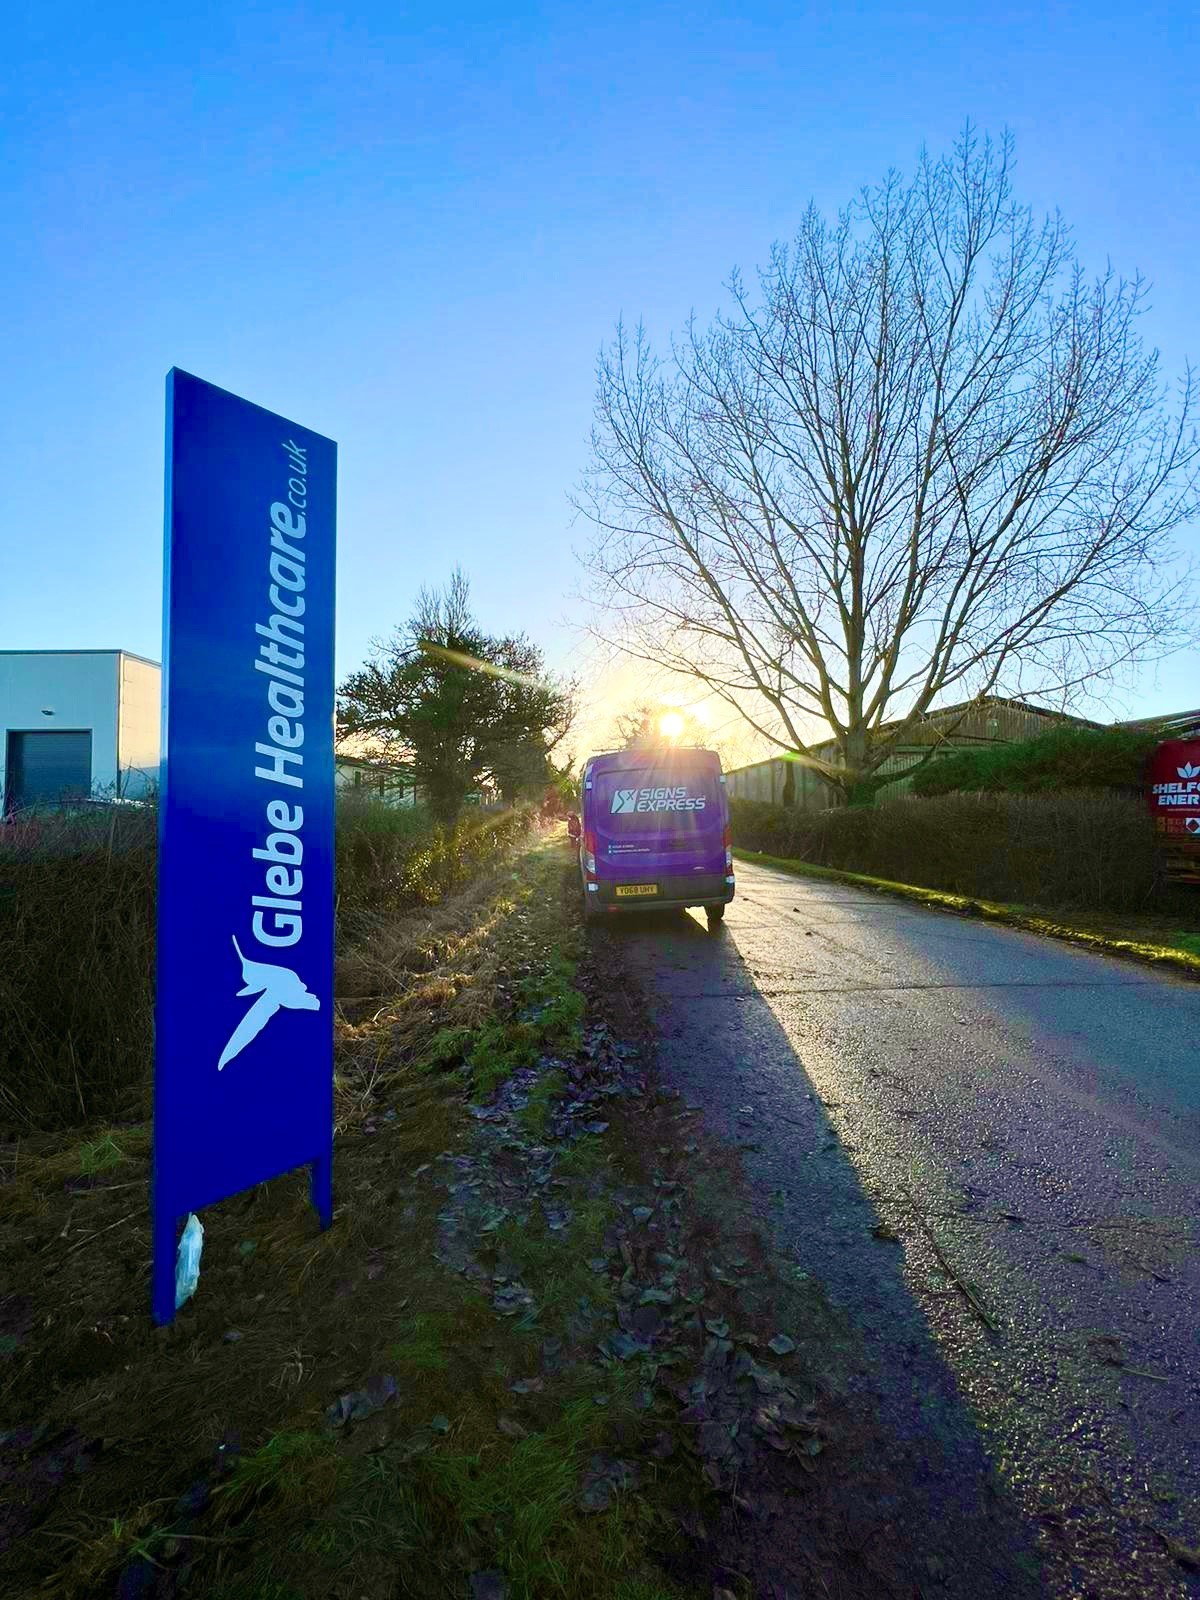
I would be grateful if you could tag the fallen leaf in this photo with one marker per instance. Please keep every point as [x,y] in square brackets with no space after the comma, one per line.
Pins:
[360,1403]
[440,1424]
[596,1495]
[781,1345]
[488,1586]
[882,1231]
[528,1386]
[1186,1555]
[622,1346]
[511,1428]
[718,1327]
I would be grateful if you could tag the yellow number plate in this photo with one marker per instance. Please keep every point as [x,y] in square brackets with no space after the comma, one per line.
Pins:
[630,889]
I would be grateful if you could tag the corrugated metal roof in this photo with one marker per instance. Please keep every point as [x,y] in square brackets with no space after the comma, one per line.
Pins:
[1174,721]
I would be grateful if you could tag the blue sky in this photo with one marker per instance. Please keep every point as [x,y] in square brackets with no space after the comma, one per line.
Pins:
[411,229]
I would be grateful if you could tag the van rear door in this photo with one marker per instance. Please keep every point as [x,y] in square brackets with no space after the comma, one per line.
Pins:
[658,820]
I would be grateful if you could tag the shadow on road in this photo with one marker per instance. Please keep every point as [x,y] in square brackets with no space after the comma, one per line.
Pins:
[911,1482]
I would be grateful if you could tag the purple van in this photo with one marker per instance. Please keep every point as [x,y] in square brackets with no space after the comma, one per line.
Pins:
[655,832]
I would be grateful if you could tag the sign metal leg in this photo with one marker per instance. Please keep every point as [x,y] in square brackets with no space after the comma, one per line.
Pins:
[163,1294]
[321,1189]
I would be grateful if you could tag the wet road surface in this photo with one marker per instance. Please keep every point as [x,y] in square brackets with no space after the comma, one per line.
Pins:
[984,1145]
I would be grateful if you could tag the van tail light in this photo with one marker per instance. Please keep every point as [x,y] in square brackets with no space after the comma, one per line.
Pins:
[589,852]
[727,841]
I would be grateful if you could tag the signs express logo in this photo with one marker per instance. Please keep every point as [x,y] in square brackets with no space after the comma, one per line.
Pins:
[655,800]
[276,988]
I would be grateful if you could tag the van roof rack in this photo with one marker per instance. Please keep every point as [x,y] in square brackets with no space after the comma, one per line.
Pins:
[630,749]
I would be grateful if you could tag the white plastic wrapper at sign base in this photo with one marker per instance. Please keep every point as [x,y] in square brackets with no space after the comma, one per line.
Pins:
[187,1262]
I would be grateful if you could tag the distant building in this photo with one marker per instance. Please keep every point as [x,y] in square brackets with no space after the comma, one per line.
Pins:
[1173,724]
[85,725]
[967,725]
[77,725]
[380,780]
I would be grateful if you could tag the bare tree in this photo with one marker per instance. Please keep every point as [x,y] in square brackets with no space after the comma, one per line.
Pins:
[930,460]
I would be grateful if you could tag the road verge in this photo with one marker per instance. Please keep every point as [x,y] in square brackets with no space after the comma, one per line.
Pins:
[1119,939]
[541,1351]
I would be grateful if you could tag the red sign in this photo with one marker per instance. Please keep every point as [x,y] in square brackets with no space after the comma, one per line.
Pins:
[1173,792]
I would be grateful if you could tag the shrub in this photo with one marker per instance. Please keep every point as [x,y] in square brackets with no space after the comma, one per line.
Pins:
[1082,850]
[77,940]
[1062,759]
[388,864]
[76,967]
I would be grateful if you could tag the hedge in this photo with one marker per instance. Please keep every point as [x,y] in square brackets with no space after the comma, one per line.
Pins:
[1082,850]
[1062,759]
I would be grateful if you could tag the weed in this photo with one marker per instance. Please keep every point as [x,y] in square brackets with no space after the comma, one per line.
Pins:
[500,1049]
[99,1155]
[523,1493]
[421,1348]
[448,1048]
[300,1469]
[536,1111]
[585,1159]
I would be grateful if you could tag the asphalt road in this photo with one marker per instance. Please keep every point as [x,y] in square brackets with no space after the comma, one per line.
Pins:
[1023,1118]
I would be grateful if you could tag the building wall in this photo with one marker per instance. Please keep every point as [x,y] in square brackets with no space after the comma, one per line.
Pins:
[380,785]
[767,781]
[80,688]
[996,722]
[140,729]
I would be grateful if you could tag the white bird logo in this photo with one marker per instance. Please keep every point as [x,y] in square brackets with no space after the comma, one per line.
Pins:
[276,988]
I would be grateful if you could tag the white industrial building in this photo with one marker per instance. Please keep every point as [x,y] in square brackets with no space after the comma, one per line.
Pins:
[76,725]
[80,725]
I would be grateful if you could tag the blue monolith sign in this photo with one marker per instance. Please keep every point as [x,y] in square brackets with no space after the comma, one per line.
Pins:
[243,1076]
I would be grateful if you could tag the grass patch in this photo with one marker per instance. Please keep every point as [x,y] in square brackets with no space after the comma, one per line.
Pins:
[300,1468]
[547,1013]
[499,1050]
[422,1348]
[1145,939]
[535,1115]
[586,1158]
[99,1155]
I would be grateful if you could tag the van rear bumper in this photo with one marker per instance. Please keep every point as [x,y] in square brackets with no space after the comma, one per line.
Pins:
[697,889]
